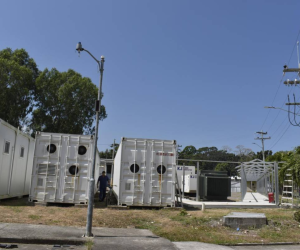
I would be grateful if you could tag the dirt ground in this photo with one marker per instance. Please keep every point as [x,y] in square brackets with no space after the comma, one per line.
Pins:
[173,224]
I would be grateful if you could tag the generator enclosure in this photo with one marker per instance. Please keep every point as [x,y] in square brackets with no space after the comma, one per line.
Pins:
[15,161]
[188,170]
[214,185]
[62,168]
[190,183]
[144,172]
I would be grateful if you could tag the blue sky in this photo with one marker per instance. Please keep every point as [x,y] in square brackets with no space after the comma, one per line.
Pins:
[199,72]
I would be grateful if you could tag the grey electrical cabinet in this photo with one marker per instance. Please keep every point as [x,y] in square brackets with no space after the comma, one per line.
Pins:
[214,185]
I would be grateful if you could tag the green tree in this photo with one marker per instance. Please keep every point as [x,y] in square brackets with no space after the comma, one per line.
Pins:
[259,155]
[18,73]
[229,168]
[293,163]
[108,153]
[65,103]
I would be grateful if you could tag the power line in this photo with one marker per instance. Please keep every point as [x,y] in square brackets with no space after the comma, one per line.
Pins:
[280,81]
[281,136]
[281,108]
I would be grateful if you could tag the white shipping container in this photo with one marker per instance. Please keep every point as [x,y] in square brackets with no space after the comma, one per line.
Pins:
[187,171]
[144,172]
[15,161]
[190,185]
[62,168]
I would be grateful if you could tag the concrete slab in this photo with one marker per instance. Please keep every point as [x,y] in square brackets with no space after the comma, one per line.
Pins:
[210,204]
[264,247]
[46,247]
[192,245]
[104,238]
[244,220]
[256,197]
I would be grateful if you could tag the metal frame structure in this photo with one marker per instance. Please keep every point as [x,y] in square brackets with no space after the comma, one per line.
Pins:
[265,174]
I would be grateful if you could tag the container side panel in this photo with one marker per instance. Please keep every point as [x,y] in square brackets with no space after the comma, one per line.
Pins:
[19,171]
[7,140]
[117,171]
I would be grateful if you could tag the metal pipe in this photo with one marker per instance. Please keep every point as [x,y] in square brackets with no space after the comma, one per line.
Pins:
[92,177]
[183,179]
[198,181]
[209,161]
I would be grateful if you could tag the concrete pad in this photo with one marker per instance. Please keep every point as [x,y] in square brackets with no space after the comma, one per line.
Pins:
[245,220]
[192,245]
[212,204]
[104,238]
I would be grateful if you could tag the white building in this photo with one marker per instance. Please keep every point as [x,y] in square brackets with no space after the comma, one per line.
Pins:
[15,161]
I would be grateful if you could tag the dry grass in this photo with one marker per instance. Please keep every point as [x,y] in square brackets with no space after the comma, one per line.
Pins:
[171,224]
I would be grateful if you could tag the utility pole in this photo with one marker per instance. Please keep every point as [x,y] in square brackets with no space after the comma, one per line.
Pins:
[79,48]
[262,138]
[295,82]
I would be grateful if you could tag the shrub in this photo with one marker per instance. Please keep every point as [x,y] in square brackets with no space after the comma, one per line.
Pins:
[297,216]
[183,212]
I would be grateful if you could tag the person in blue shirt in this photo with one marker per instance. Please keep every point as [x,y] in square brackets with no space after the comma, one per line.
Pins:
[103,180]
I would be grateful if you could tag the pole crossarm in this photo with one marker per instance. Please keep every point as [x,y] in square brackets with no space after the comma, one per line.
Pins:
[291,70]
[291,82]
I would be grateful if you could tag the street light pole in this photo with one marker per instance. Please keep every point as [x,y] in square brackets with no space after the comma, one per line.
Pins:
[92,176]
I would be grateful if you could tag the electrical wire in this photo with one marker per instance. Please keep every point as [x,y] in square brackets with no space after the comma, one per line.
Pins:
[280,82]
[289,125]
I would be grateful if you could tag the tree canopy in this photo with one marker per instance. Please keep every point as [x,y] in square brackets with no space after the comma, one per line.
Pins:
[65,103]
[49,101]
[18,73]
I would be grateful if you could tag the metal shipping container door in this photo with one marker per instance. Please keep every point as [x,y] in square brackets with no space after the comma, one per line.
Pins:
[7,142]
[20,166]
[147,172]
[61,168]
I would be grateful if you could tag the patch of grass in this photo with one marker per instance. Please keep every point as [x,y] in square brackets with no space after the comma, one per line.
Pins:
[34,217]
[89,244]
[16,209]
[173,224]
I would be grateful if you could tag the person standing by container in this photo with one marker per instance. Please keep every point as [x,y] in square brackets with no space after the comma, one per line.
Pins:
[103,180]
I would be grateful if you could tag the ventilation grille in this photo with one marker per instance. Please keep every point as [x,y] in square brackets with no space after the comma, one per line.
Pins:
[40,182]
[43,169]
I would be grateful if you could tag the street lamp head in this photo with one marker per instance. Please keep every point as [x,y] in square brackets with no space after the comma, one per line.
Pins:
[267,107]
[79,47]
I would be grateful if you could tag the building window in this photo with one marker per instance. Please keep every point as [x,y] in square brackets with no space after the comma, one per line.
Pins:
[6,147]
[22,152]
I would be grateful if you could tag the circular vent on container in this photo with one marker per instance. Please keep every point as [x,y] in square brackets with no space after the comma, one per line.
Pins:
[82,150]
[134,168]
[73,169]
[51,148]
[161,169]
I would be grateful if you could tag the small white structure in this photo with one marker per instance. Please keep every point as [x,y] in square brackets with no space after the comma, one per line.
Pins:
[15,161]
[190,183]
[62,168]
[144,172]
[107,166]
[235,184]
[188,170]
